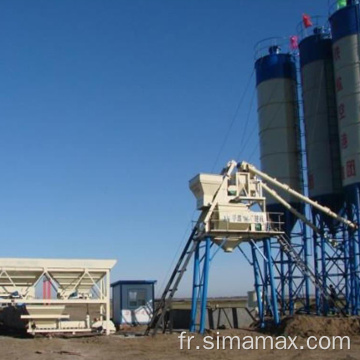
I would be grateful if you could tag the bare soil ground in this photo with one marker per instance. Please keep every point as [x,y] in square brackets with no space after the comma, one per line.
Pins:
[168,346]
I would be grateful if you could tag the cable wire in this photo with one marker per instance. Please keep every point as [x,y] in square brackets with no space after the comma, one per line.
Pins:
[233,120]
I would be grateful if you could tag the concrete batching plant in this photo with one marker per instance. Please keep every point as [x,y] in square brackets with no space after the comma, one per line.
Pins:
[303,236]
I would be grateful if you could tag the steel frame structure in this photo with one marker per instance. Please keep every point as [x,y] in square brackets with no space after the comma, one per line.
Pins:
[264,281]
[280,284]
[281,262]
[331,263]
[352,209]
[278,288]
[265,285]
[292,287]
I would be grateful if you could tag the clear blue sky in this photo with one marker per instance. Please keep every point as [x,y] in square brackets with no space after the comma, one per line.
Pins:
[109,107]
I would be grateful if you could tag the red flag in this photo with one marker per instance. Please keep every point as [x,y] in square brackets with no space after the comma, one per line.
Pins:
[294,44]
[306,20]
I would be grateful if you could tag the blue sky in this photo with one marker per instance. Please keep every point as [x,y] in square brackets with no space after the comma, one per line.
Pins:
[109,107]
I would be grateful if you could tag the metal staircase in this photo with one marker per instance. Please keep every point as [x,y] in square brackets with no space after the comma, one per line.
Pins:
[158,318]
[305,269]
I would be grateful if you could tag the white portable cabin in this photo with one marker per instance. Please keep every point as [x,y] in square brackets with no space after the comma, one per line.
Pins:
[133,301]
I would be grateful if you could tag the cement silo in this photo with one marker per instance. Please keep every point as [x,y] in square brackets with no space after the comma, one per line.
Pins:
[278,118]
[320,118]
[323,156]
[345,24]
[345,31]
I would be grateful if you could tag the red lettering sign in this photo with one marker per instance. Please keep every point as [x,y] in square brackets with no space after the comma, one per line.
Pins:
[341,112]
[338,84]
[344,141]
[350,168]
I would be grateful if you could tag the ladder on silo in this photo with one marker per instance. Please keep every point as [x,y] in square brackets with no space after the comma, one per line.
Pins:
[305,269]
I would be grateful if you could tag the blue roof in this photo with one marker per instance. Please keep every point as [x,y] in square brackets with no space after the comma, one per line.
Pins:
[133,282]
[344,22]
[275,66]
[315,47]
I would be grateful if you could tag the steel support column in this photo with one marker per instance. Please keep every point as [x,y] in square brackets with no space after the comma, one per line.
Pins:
[205,285]
[258,284]
[195,288]
[200,285]
[272,284]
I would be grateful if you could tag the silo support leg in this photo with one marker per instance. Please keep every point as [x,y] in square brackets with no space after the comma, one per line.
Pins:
[274,303]
[306,262]
[195,288]
[200,285]
[257,284]
[205,285]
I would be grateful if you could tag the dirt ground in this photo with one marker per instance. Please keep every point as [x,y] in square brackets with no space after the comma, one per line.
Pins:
[168,346]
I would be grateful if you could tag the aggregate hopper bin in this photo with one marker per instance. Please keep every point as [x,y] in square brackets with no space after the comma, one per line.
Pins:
[204,187]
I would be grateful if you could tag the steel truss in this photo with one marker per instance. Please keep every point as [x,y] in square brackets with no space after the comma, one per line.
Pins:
[293,287]
[352,209]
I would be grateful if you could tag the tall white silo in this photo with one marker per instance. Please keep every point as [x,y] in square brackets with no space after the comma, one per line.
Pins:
[278,118]
[320,117]
[346,40]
